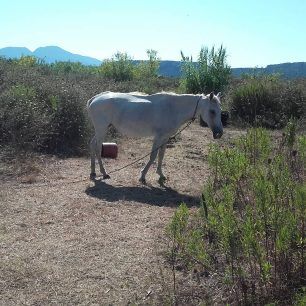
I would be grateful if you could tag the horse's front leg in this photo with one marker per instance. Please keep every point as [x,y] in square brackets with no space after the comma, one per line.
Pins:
[156,146]
[161,154]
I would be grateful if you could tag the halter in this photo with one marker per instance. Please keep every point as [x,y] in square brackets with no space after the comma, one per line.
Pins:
[196,108]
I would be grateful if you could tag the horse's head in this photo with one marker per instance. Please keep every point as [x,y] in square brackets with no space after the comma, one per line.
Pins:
[211,113]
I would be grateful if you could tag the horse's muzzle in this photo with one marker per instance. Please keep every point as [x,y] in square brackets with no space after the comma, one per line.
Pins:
[217,134]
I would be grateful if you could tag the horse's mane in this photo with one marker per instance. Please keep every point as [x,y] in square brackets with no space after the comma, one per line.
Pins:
[171,93]
[137,93]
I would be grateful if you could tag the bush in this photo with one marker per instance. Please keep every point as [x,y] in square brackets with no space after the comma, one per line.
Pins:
[70,67]
[267,101]
[23,120]
[119,68]
[251,224]
[210,73]
[148,69]
[41,111]
[42,107]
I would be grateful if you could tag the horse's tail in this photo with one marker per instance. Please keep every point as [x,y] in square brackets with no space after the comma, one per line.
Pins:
[91,99]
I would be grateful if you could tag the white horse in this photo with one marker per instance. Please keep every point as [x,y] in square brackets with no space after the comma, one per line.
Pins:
[139,115]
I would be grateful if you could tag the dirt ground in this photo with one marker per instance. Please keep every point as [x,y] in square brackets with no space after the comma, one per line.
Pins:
[67,240]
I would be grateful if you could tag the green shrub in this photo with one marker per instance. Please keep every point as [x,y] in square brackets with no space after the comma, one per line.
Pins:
[42,107]
[252,219]
[210,73]
[119,68]
[23,120]
[70,67]
[148,69]
[267,101]
[28,61]
[68,124]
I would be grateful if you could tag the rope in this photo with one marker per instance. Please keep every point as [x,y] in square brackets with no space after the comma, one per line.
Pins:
[143,157]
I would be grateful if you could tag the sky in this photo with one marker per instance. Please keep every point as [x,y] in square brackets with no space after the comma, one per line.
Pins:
[255,33]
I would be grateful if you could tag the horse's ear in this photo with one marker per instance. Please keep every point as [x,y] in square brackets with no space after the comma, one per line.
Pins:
[211,96]
[219,95]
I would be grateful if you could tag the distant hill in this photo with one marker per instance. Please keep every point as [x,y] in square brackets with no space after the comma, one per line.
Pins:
[49,54]
[286,70]
[15,52]
[52,54]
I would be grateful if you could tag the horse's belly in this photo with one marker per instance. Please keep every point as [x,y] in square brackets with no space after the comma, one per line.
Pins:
[134,129]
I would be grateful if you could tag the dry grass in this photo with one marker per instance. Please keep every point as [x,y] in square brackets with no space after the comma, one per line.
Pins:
[66,240]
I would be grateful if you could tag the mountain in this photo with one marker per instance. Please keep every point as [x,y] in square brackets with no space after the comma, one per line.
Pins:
[49,54]
[52,54]
[286,70]
[170,68]
[14,52]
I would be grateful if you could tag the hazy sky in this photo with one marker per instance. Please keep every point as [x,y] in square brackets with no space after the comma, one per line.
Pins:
[255,33]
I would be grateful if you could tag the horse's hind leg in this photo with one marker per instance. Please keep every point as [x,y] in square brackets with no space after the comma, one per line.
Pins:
[93,158]
[98,154]
[161,154]
[96,146]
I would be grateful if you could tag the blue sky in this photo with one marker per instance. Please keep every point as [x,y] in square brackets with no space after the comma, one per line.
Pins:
[255,33]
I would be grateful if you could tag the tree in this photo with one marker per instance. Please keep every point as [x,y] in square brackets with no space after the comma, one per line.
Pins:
[120,67]
[210,73]
[149,68]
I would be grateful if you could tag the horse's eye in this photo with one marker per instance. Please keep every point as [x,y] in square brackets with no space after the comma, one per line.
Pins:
[212,112]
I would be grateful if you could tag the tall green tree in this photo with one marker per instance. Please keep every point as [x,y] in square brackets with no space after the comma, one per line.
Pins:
[150,67]
[211,72]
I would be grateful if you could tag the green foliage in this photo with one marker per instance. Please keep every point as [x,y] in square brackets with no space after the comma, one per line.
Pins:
[178,224]
[267,101]
[71,67]
[31,119]
[256,146]
[148,69]
[300,297]
[42,107]
[252,217]
[119,68]
[28,61]
[210,73]
[301,149]
[186,243]
[22,119]
[290,133]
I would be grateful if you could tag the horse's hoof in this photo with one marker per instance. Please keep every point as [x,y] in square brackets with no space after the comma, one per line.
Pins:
[92,176]
[106,177]
[143,181]
[162,180]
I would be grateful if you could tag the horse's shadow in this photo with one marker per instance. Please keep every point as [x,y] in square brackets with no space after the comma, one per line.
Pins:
[144,194]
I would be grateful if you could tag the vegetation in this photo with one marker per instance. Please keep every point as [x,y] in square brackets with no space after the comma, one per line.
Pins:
[210,73]
[267,101]
[251,224]
[42,107]
[121,67]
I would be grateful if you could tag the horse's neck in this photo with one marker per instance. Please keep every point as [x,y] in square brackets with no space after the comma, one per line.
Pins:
[189,107]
